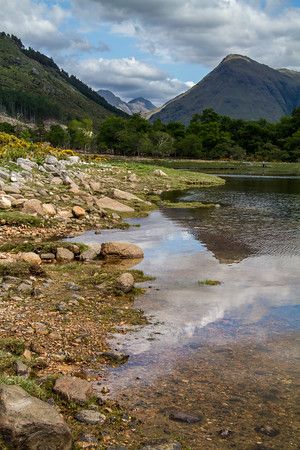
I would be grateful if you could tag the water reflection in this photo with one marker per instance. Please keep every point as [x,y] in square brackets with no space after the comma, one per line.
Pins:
[250,244]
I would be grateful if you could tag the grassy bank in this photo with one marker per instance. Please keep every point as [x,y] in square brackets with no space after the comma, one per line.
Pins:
[230,167]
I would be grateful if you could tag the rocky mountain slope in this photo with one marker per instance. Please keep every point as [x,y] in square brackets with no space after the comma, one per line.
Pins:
[33,87]
[135,106]
[238,87]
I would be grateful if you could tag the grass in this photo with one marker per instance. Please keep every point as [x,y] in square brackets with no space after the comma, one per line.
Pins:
[181,205]
[41,247]
[14,218]
[230,167]
[20,269]
[12,345]
[29,385]
[209,282]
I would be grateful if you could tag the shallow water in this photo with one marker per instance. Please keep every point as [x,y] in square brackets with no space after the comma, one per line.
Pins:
[251,245]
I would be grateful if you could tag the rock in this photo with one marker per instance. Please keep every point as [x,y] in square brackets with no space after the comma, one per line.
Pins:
[180,416]
[115,356]
[47,257]
[133,178]
[64,214]
[90,254]
[5,203]
[11,189]
[113,205]
[29,423]
[40,328]
[27,164]
[72,286]
[267,430]
[21,369]
[56,181]
[63,254]
[125,282]
[62,307]
[74,159]
[121,250]
[49,209]
[95,186]
[50,159]
[73,389]
[171,446]
[90,417]
[78,212]
[86,440]
[159,173]
[25,288]
[4,175]
[122,195]
[33,206]
[30,257]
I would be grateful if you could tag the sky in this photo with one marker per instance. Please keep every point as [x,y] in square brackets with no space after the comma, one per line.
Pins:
[154,48]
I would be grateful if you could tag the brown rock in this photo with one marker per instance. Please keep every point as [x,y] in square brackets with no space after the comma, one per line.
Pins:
[78,212]
[113,205]
[49,209]
[33,206]
[63,254]
[73,389]
[121,250]
[125,282]
[29,423]
[30,257]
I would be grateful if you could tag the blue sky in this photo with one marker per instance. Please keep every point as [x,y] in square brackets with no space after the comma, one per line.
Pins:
[154,48]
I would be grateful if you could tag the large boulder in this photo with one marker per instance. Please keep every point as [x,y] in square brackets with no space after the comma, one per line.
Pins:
[121,250]
[5,202]
[64,255]
[78,212]
[125,282]
[123,195]
[113,205]
[73,389]
[33,206]
[29,423]
[49,209]
[30,257]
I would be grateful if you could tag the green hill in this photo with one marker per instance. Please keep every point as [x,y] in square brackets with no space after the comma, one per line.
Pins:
[34,88]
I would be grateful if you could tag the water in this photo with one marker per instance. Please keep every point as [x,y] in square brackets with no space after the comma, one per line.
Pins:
[251,245]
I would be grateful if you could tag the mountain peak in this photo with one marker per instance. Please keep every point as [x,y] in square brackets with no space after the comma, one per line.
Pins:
[234,57]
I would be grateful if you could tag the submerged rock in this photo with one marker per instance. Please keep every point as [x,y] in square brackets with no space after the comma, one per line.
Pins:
[29,423]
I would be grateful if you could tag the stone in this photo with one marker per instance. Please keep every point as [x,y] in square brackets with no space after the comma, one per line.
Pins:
[125,282]
[267,430]
[90,417]
[159,173]
[29,423]
[5,203]
[166,446]
[73,389]
[50,159]
[90,254]
[47,257]
[27,164]
[78,212]
[95,186]
[122,250]
[122,195]
[181,416]
[64,214]
[62,307]
[49,209]
[21,369]
[113,205]
[11,189]
[115,356]
[33,206]
[63,254]
[86,440]
[30,257]
[132,178]
[56,181]
[25,288]
[74,159]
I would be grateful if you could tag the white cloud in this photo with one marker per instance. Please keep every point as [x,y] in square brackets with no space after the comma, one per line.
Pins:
[204,31]
[128,77]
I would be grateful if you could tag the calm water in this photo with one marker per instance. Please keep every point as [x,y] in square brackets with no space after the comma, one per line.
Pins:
[251,245]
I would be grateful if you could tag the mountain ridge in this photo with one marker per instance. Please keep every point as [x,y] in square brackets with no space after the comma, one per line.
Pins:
[139,105]
[238,87]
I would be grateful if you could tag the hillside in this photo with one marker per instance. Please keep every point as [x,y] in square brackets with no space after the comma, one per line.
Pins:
[34,88]
[239,88]
[141,105]
[114,100]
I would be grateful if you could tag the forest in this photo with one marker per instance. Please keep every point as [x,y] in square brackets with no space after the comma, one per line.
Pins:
[208,136]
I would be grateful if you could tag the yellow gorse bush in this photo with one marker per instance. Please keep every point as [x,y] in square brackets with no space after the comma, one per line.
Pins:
[13,148]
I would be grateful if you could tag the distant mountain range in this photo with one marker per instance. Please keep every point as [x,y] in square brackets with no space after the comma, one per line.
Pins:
[137,105]
[34,88]
[238,87]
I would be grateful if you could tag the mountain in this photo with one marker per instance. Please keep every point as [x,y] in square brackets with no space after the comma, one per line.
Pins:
[115,101]
[141,105]
[138,105]
[238,87]
[33,87]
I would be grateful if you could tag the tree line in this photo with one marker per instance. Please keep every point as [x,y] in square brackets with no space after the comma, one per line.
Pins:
[208,136]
